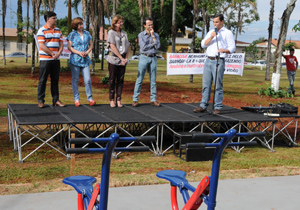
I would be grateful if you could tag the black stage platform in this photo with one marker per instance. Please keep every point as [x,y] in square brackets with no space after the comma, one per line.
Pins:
[51,124]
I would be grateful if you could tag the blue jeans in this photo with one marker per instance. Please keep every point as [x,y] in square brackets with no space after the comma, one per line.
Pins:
[291,76]
[209,75]
[144,64]
[85,71]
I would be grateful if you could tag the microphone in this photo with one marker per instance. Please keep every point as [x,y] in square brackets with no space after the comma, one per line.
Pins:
[216,30]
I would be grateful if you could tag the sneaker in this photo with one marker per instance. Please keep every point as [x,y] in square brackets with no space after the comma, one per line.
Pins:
[155,103]
[217,111]
[135,103]
[199,109]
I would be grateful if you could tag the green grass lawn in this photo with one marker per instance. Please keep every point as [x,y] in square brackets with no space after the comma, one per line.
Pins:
[44,170]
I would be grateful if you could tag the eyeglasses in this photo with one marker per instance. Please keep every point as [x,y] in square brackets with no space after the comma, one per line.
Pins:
[120,22]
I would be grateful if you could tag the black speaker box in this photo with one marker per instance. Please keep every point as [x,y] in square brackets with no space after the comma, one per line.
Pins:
[204,154]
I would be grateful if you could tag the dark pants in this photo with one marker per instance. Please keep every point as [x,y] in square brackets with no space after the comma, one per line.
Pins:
[51,67]
[116,73]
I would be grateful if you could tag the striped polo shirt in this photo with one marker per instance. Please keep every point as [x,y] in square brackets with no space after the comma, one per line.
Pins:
[51,38]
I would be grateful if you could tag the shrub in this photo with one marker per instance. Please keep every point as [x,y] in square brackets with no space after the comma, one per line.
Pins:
[269,91]
[105,79]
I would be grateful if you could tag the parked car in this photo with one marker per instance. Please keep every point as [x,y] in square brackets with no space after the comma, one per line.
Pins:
[259,63]
[105,54]
[137,57]
[283,65]
[160,57]
[18,54]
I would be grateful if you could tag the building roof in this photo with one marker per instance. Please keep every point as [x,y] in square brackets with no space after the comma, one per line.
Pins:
[183,41]
[275,42]
[12,32]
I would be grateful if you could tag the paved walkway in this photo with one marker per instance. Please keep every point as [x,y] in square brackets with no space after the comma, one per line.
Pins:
[272,193]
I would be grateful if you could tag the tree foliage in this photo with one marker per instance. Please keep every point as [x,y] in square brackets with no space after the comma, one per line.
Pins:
[252,50]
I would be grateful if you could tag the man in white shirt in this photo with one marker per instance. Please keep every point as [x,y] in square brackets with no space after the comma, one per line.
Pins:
[218,42]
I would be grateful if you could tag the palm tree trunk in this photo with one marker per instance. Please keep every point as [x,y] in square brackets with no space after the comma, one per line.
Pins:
[87,15]
[33,43]
[141,8]
[114,8]
[149,6]
[174,26]
[19,22]
[69,16]
[270,29]
[3,28]
[27,30]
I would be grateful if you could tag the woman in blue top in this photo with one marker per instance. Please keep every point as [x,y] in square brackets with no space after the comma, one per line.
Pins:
[80,44]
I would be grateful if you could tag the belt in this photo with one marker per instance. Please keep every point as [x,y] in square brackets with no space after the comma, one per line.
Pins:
[149,55]
[214,58]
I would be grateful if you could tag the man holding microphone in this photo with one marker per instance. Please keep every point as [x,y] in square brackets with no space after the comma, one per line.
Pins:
[218,42]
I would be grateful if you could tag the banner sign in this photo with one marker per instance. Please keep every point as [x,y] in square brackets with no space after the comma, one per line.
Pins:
[65,54]
[193,63]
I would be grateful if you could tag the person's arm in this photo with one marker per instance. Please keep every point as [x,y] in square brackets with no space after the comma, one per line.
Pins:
[60,49]
[230,43]
[91,46]
[296,66]
[142,42]
[207,39]
[72,49]
[117,53]
[156,41]
[43,47]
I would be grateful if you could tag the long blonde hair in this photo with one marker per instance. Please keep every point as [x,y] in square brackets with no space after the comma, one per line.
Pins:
[115,19]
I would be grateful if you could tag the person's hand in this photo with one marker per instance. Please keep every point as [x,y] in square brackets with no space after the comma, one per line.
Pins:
[213,34]
[221,50]
[82,54]
[124,61]
[152,32]
[55,56]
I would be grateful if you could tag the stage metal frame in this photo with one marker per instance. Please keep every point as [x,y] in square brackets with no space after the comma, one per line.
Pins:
[56,135]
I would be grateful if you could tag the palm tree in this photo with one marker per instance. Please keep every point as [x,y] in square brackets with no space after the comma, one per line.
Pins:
[238,5]
[270,29]
[3,28]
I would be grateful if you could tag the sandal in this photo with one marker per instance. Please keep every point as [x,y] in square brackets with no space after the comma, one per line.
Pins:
[77,103]
[112,104]
[119,104]
[92,102]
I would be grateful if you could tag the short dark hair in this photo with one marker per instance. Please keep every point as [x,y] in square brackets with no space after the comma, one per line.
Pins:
[147,18]
[292,50]
[220,16]
[49,14]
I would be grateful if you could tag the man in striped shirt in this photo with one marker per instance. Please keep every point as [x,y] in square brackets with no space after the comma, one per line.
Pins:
[50,47]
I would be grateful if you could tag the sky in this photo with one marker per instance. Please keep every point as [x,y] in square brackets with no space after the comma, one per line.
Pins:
[252,32]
